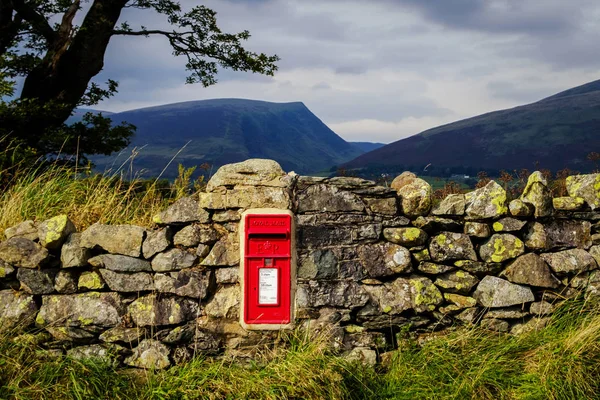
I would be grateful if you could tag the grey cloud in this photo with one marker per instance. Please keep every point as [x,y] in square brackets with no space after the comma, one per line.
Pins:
[521,92]
[355,69]
[388,106]
[321,86]
[472,41]
[525,16]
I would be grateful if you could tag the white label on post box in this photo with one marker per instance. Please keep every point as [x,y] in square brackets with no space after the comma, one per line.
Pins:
[267,286]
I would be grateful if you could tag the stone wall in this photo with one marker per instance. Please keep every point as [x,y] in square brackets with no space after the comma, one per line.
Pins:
[373,262]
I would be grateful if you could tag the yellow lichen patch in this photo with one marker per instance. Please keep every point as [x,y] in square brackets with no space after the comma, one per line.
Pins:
[39,320]
[568,203]
[142,306]
[498,198]
[54,228]
[460,274]
[353,329]
[498,226]
[441,239]
[499,250]
[90,280]
[411,234]
[502,253]
[386,309]
[427,295]
[85,321]
[422,255]
[23,305]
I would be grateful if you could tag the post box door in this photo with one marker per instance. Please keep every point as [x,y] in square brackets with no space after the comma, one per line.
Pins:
[267,291]
[267,269]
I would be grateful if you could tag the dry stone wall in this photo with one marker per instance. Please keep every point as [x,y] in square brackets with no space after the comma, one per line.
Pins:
[373,262]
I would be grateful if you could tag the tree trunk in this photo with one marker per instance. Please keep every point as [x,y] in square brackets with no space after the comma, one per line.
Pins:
[9,27]
[62,78]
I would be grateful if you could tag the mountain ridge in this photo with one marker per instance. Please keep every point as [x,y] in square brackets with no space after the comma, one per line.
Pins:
[555,132]
[221,131]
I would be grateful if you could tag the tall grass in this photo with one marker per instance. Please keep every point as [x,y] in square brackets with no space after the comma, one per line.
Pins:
[299,368]
[560,361]
[87,198]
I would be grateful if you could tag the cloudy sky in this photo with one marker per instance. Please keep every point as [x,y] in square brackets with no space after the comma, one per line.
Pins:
[379,70]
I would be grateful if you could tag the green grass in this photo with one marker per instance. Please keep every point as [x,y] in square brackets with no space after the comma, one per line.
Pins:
[560,361]
[87,198]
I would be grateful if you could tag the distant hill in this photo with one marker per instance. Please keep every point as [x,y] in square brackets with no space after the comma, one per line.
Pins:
[367,146]
[230,130]
[80,112]
[554,133]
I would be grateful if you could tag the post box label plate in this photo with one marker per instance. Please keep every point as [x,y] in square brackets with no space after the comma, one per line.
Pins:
[268,286]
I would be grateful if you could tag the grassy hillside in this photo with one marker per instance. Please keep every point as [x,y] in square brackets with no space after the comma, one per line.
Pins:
[554,133]
[223,131]
[367,146]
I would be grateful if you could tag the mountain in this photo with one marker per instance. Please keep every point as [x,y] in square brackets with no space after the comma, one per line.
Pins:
[367,146]
[222,131]
[554,133]
[78,114]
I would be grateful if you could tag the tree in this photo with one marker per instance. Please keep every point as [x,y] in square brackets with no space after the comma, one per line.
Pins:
[58,61]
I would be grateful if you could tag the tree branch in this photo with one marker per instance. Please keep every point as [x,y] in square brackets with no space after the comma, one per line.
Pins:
[65,32]
[149,32]
[37,20]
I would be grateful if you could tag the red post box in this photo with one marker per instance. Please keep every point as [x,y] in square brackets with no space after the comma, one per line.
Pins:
[267,269]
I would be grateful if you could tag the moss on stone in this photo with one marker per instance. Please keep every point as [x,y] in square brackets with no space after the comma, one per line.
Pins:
[499,249]
[354,329]
[422,255]
[427,295]
[90,280]
[39,320]
[502,253]
[498,198]
[441,239]
[85,321]
[411,234]
[54,228]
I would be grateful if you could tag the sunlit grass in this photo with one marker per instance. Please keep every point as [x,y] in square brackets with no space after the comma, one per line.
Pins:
[560,361]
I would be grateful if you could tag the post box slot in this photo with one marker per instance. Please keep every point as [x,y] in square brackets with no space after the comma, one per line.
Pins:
[267,236]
